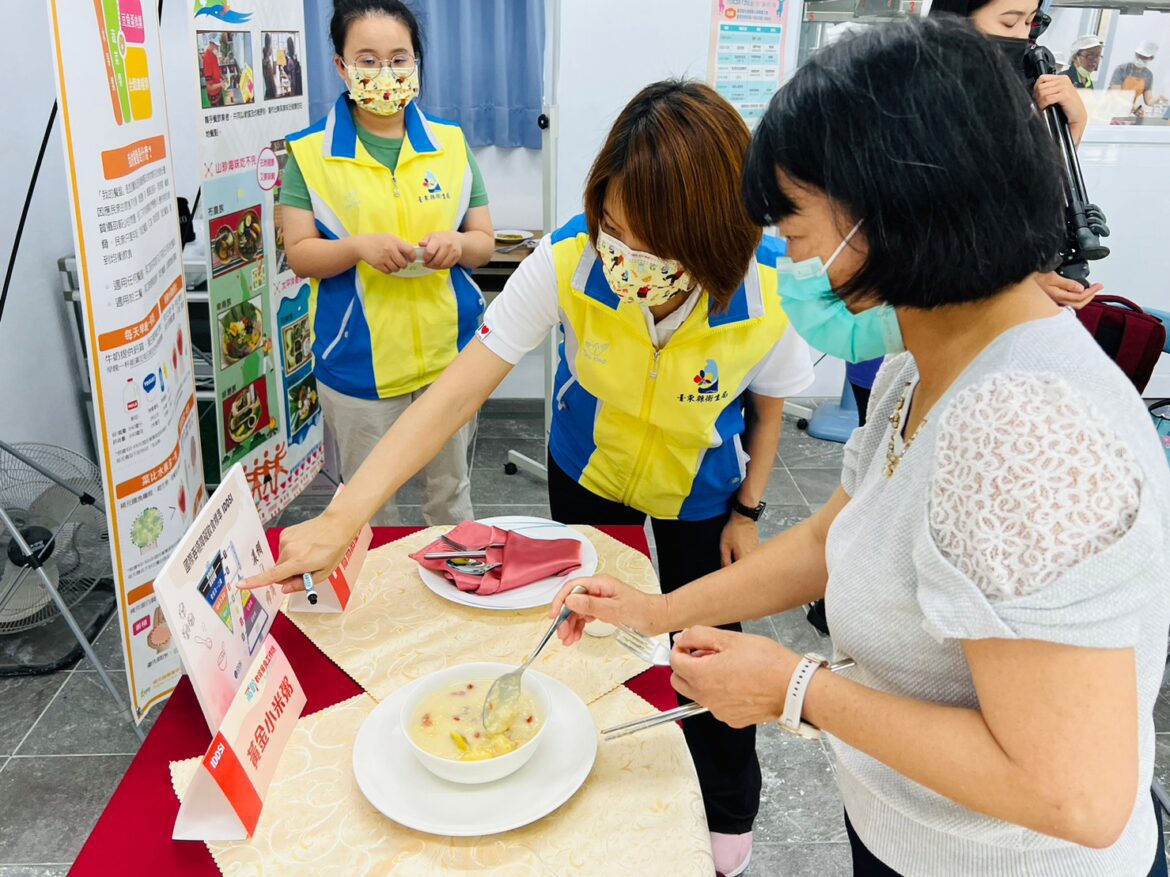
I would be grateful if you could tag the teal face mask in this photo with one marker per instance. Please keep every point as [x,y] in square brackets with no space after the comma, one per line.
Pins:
[822,319]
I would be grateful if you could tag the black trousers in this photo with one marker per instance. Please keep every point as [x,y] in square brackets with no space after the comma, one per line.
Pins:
[866,864]
[725,758]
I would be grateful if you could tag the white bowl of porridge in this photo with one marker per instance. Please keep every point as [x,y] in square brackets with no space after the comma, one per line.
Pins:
[442,720]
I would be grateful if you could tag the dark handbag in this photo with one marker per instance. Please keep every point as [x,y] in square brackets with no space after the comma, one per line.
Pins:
[1132,338]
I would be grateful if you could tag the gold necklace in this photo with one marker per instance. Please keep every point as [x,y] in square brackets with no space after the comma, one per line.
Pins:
[894,459]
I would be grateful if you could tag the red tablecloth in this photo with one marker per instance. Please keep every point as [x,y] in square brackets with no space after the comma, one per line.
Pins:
[133,835]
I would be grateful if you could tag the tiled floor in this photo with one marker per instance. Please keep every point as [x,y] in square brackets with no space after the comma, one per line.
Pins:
[63,748]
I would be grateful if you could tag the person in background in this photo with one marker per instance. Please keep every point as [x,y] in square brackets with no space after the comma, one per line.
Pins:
[1086,58]
[995,556]
[1136,75]
[213,73]
[268,68]
[292,67]
[362,189]
[675,359]
[1008,23]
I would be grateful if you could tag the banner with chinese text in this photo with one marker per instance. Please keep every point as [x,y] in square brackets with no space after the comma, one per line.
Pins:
[126,232]
[252,94]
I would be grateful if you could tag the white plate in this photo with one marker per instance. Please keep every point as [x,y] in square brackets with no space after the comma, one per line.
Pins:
[531,596]
[396,784]
[512,235]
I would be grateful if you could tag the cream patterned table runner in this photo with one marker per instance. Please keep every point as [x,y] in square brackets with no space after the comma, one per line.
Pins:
[395,630]
[639,812]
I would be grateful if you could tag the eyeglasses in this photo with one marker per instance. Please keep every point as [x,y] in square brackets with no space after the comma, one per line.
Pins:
[401,63]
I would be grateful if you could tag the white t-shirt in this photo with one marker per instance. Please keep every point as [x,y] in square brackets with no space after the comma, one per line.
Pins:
[528,309]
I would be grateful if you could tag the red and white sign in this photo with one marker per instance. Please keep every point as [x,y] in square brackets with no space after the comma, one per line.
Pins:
[227,793]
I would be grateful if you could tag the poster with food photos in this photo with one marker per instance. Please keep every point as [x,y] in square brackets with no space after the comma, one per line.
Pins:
[252,95]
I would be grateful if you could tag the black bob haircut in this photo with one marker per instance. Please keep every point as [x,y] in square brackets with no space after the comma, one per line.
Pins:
[918,129]
[346,12]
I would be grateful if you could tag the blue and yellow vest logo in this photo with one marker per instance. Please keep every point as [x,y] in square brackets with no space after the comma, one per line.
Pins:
[707,381]
[434,192]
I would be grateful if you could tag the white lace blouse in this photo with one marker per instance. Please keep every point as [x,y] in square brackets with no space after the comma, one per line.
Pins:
[1033,503]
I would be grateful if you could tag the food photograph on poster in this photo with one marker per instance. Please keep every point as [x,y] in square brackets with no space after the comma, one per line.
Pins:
[236,239]
[247,419]
[303,404]
[298,344]
[241,331]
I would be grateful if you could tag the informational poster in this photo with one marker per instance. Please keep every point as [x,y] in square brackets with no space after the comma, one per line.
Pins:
[747,53]
[252,94]
[217,627]
[110,92]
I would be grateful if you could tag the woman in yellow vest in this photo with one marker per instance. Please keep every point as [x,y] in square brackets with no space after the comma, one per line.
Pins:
[384,207]
[675,358]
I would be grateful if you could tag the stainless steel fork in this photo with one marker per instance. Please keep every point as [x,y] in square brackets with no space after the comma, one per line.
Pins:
[641,646]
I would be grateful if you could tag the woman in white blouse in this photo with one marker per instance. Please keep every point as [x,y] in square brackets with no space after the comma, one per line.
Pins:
[994,560]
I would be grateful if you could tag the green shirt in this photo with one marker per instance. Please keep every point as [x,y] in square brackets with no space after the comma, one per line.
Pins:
[384,150]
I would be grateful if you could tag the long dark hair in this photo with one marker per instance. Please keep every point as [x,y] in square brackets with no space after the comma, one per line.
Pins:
[346,12]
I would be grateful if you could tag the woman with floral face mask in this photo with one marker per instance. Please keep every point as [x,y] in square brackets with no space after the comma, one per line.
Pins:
[385,209]
[675,359]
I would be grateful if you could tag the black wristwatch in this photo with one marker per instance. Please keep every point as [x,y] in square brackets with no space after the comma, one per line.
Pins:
[753,513]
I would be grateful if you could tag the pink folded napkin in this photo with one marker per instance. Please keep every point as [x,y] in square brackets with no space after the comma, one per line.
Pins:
[523,560]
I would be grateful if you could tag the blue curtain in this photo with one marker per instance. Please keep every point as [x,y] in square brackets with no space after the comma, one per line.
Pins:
[484,65]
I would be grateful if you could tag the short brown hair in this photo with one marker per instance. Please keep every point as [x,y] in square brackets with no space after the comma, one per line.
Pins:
[676,153]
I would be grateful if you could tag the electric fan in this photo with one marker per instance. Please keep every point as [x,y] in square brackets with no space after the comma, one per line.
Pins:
[47,493]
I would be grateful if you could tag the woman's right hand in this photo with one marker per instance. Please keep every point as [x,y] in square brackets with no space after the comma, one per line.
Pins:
[316,546]
[384,252]
[609,600]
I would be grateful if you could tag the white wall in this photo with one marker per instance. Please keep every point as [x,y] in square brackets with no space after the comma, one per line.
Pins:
[513,179]
[38,378]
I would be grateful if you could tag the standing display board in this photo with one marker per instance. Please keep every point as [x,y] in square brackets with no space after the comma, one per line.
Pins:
[108,67]
[252,94]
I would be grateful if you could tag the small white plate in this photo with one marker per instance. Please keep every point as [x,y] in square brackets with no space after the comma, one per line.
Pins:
[400,788]
[531,596]
[512,235]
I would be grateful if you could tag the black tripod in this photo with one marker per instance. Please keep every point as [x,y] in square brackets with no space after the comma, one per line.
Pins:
[1084,221]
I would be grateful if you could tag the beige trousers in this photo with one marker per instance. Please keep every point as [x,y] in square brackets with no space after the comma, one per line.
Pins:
[358,425]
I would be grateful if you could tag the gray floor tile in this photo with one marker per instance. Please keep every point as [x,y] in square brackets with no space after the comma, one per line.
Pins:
[1162,711]
[760,627]
[49,805]
[782,490]
[503,424]
[491,485]
[816,485]
[799,450]
[34,870]
[108,647]
[1162,759]
[801,860]
[779,518]
[83,720]
[800,802]
[794,631]
[24,699]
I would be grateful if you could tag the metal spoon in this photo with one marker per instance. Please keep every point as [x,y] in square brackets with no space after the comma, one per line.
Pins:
[499,707]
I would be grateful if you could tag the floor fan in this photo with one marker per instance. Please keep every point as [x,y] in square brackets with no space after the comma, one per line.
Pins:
[54,547]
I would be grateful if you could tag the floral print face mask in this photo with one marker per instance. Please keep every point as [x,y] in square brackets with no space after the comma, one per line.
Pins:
[383,92]
[640,277]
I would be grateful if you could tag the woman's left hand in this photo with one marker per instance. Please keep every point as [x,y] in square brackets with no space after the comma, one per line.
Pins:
[740,537]
[742,679]
[1058,90]
[443,249]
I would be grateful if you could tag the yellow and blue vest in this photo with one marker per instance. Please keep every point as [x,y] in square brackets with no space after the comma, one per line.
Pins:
[657,430]
[378,335]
